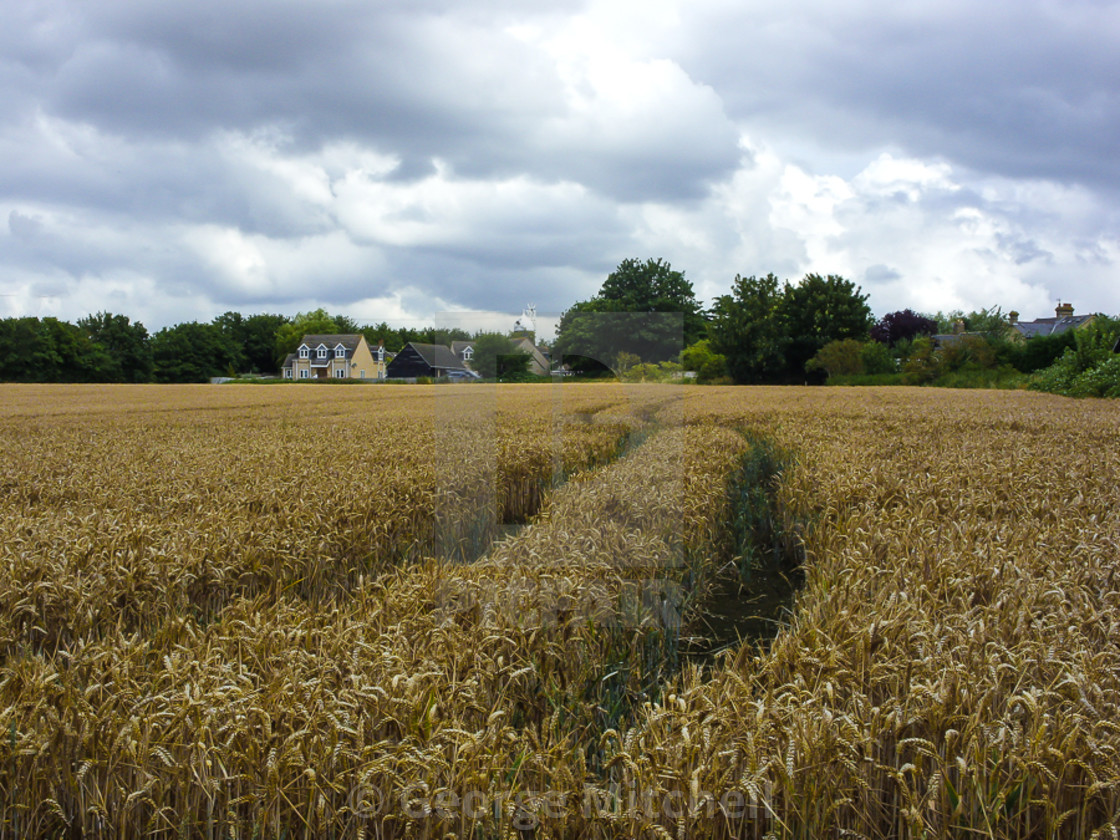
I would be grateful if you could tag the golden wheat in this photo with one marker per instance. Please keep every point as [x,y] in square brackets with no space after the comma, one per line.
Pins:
[211,631]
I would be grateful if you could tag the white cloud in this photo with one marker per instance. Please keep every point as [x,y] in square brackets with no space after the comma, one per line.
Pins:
[399,158]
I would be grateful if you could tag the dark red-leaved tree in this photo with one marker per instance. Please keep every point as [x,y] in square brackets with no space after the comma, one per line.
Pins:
[899,326]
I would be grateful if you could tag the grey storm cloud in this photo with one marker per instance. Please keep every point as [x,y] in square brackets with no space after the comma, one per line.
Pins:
[485,153]
[1020,88]
[421,83]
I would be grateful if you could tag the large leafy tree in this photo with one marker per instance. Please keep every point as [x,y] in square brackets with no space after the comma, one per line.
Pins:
[50,350]
[317,322]
[253,337]
[768,333]
[653,286]
[819,310]
[644,308]
[258,341]
[747,329]
[126,343]
[192,352]
[904,325]
[393,337]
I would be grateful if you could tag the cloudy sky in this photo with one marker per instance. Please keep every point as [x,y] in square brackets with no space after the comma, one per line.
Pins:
[398,158]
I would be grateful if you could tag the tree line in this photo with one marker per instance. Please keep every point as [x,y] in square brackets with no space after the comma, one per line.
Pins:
[763,331]
[109,347]
[645,322]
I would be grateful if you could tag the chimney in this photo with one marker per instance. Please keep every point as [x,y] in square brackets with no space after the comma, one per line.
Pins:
[1013,317]
[1064,310]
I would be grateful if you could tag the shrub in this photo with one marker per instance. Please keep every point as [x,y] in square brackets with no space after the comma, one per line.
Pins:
[923,364]
[1100,381]
[839,358]
[967,352]
[708,364]
[877,358]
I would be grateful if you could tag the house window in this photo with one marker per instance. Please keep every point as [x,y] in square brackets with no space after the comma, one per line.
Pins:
[304,374]
[468,353]
[321,352]
[340,352]
[362,374]
[287,373]
[340,373]
[304,352]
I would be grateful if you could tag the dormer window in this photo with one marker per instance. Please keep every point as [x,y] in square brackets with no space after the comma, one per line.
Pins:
[304,351]
[468,353]
[321,351]
[340,352]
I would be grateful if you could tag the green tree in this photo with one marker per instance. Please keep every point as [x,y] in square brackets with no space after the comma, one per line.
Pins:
[254,339]
[258,342]
[582,341]
[843,357]
[288,335]
[192,352]
[653,286]
[393,337]
[747,329]
[1040,352]
[496,358]
[18,344]
[923,363]
[624,361]
[50,350]
[877,358]
[127,344]
[704,362]
[444,335]
[232,326]
[1094,344]
[601,328]
[514,367]
[819,310]
[991,320]
[968,352]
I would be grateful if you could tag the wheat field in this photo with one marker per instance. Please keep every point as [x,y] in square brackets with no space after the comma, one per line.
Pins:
[469,611]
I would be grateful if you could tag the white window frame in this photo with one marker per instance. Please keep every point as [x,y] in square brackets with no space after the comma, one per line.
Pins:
[304,351]
[287,373]
[321,351]
[362,374]
[468,353]
[304,373]
[340,373]
[340,352]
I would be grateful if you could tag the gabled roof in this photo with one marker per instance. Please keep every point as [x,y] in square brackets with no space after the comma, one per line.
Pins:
[438,356]
[941,339]
[350,342]
[331,342]
[1051,326]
